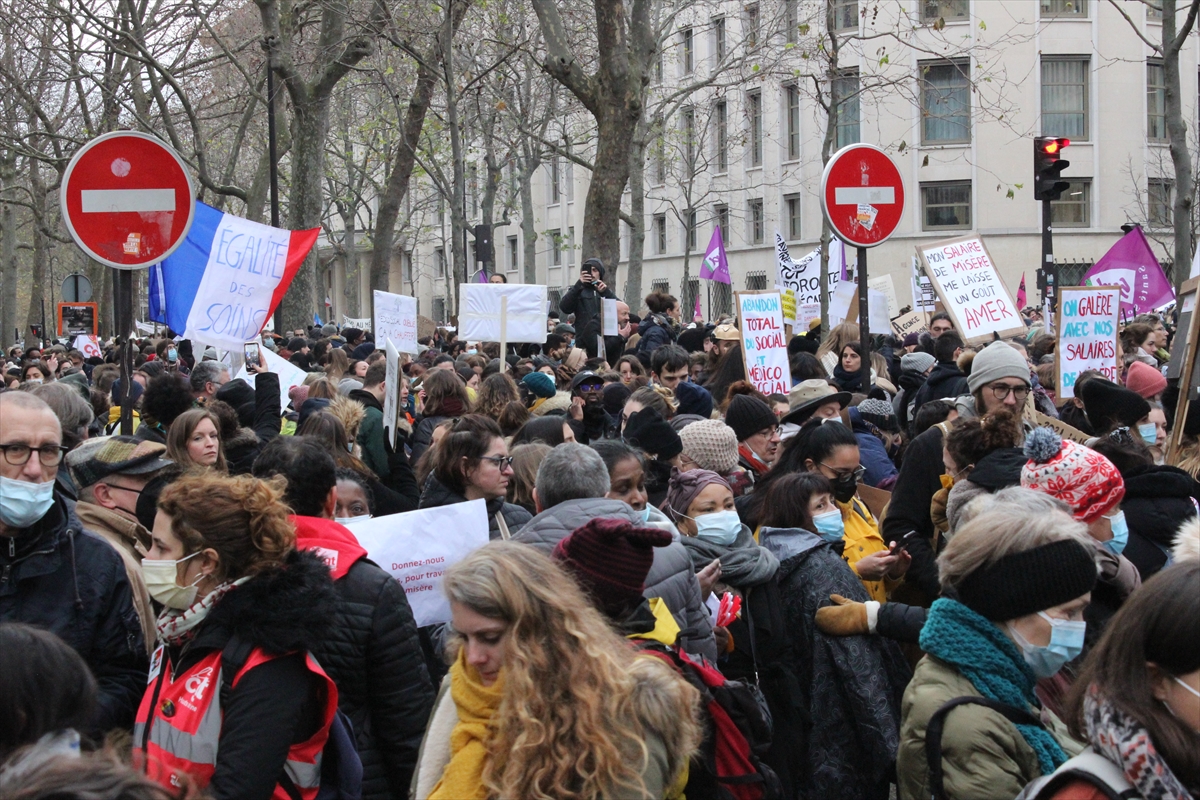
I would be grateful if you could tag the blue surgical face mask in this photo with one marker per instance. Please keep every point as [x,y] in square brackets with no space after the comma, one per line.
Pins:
[645,513]
[1149,432]
[472,351]
[1066,643]
[719,527]
[172,354]
[830,526]
[1120,533]
[23,503]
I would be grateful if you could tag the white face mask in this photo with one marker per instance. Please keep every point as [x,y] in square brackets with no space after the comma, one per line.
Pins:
[351,520]
[159,575]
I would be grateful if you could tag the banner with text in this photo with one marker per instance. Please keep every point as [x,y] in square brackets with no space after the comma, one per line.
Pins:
[966,279]
[1087,334]
[760,319]
[803,278]
[417,548]
[395,319]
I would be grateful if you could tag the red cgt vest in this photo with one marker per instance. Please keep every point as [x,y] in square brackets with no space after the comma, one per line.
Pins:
[179,724]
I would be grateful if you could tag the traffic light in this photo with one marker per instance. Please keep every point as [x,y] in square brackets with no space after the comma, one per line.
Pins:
[1048,166]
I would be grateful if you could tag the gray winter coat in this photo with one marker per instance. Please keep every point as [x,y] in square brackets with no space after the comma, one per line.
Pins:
[671,575]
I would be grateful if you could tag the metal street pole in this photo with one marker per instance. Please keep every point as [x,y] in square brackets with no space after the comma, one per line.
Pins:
[123,283]
[864,319]
[1049,271]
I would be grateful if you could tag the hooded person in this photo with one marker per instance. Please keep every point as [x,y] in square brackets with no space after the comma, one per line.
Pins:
[374,655]
[914,371]
[693,399]
[584,300]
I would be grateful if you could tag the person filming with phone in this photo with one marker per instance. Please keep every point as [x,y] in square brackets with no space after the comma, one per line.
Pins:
[583,300]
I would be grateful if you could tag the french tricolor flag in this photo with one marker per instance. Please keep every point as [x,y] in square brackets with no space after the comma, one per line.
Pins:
[224,282]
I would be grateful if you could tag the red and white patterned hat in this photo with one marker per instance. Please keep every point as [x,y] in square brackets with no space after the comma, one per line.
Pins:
[1079,476]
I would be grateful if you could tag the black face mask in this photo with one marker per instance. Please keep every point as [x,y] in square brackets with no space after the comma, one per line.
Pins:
[845,487]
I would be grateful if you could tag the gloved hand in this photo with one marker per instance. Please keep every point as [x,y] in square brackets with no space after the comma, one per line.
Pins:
[845,618]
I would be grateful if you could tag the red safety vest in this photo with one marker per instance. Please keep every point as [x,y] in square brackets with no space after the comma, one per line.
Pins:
[179,724]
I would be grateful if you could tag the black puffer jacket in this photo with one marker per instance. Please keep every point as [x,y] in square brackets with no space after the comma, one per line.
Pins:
[241,451]
[56,576]
[1157,500]
[946,381]
[584,301]
[437,494]
[374,656]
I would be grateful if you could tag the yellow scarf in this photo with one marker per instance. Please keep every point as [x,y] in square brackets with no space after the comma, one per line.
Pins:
[476,704]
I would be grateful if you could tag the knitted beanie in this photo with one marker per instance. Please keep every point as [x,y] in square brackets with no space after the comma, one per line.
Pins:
[693,399]
[1079,476]
[615,395]
[916,362]
[995,362]
[879,413]
[748,415]
[1024,583]
[1145,380]
[611,558]
[712,445]
[539,383]
[1110,406]
[684,487]
[649,431]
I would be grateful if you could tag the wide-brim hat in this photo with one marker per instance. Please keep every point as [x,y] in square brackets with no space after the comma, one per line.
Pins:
[727,333]
[807,396]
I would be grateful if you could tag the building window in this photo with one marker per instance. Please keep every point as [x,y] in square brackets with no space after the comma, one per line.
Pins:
[756,281]
[791,20]
[690,229]
[756,222]
[514,254]
[945,103]
[1064,8]
[1156,102]
[689,63]
[721,219]
[555,181]
[791,207]
[945,10]
[792,96]
[752,23]
[718,27]
[555,239]
[570,247]
[721,123]
[439,310]
[691,292]
[660,234]
[1073,209]
[845,14]
[660,285]
[687,127]
[1065,97]
[755,112]
[845,94]
[946,205]
[439,262]
[1160,202]
[406,266]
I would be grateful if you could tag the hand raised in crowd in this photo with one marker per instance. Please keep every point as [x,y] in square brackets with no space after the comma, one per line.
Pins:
[708,578]
[576,411]
[257,368]
[52,363]
[600,286]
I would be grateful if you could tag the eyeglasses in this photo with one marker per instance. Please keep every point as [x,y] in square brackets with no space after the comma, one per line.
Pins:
[50,455]
[502,462]
[591,387]
[857,472]
[1001,390]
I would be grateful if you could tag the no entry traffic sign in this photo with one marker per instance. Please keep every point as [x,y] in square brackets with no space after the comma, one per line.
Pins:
[127,199]
[862,195]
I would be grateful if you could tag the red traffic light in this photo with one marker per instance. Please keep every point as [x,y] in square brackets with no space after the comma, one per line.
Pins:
[1054,145]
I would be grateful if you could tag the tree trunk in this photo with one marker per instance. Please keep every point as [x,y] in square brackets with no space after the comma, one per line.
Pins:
[637,212]
[8,251]
[831,113]
[37,189]
[602,212]
[529,233]
[460,268]
[1181,156]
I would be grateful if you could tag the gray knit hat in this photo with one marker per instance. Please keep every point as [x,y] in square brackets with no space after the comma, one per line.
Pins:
[711,444]
[917,362]
[997,361]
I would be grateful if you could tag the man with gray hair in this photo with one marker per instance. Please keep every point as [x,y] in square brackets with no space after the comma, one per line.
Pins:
[206,378]
[570,490]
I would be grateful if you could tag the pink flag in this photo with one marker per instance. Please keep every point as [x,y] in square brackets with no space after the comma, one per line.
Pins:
[482,277]
[715,266]
[1130,264]
[1021,293]
[697,314]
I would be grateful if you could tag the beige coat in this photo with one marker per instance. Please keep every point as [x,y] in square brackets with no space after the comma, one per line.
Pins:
[131,540]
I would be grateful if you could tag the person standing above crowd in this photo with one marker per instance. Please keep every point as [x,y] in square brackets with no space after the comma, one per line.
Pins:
[584,300]
[659,327]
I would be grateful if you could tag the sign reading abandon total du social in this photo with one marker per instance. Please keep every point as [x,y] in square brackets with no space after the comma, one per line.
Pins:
[760,319]
[966,279]
[1087,334]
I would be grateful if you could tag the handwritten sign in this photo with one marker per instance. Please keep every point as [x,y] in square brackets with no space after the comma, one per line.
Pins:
[966,279]
[887,286]
[803,277]
[395,319]
[1087,334]
[760,319]
[913,322]
[924,295]
[405,546]
[480,318]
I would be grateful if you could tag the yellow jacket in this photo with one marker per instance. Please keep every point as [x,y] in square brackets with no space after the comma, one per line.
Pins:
[862,539]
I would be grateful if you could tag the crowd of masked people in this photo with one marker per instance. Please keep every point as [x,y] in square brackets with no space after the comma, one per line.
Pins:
[903,588]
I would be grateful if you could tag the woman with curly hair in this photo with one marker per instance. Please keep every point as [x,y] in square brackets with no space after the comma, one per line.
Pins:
[544,698]
[499,399]
[242,610]
[194,440]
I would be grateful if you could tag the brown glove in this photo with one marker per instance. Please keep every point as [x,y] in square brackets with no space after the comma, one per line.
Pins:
[845,618]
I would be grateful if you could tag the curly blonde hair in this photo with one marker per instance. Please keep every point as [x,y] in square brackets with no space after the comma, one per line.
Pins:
[579,703]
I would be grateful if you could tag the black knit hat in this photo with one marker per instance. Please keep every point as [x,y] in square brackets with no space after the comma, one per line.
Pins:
[748,415]
[1110,406]
[649,431]
[1025,583]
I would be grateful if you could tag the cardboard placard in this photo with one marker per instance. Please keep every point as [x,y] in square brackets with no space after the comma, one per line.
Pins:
[395,318]
[913,322]
[1087,335]
[887,286]
[1064,430]
[482,316]
[425,327]
[75,319]
[406,546]
[760,320]
[966,280]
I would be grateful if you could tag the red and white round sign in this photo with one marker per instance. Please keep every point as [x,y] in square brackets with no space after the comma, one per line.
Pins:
[127,199]
[862,195]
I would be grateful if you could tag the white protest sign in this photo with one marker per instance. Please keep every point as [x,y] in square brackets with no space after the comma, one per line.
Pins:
[760,319]
[608,317]
[885,284]
[396,320]
[417,547]
[840,300]
[803,276]
[924,295]
[88,345]
[912,322]
[966,279]
[806,313]
[1087,334]
[289,374]
[391,391]
[480,318]
[878,311]
[362,323]
[145,327]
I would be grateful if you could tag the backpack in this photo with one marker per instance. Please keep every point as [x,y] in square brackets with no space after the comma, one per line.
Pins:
[1090,767]
[341,767]
[737,735]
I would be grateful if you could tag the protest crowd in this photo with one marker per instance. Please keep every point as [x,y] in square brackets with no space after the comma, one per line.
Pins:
[941,582]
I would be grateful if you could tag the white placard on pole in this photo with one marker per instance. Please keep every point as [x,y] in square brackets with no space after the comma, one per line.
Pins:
[289,374]
[608,317]
[395,318]
[1088,319]
[966,280]
[391,392]
[760,320]
[480,312]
